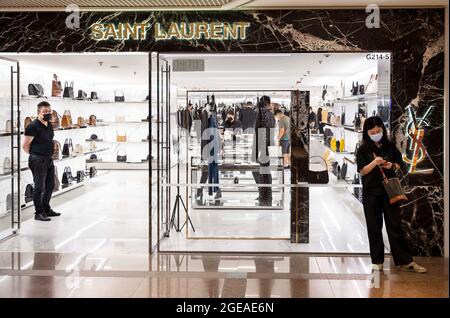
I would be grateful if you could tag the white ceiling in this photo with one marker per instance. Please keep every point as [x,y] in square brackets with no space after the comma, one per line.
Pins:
[269,71]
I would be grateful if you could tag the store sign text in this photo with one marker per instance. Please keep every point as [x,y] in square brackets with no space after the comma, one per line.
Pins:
[178,31]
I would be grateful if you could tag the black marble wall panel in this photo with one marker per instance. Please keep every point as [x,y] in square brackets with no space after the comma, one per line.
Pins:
[415,37]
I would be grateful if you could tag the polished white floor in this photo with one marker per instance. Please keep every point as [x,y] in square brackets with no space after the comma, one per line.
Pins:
[110,215]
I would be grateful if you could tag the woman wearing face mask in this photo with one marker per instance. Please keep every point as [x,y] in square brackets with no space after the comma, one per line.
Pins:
[377,151]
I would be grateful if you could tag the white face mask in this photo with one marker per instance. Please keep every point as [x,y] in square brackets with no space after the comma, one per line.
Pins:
[376,137]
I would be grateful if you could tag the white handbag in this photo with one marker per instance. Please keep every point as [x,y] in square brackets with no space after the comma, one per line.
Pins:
[372,85]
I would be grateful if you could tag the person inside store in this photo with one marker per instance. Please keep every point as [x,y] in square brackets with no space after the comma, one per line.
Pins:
[284,133]
[264,127]
[38,143]
[375,153]
[188,118]
[247,116]
[232,123]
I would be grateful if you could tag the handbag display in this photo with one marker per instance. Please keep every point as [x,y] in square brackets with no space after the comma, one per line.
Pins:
[9,202]
[324,91]
[79,149]
[329,117]
[56,119]
[121,155]
[56,86]
[333,144]
[372,85]
[393,188]
[357,121]
[68,90]
[67,177]
[324,115]
[94,137]
[343,117]
[121,136]
[94,95]
[7,166]
[357,192]
[361,90]
[119,96]
[35,90]
[56,150]
[341,144]
[29,193]
[67,148]
[81,122]
[354,89]
[92,146]
[11,127]
[81,94]
[57,182]
[318,177]
[66,120]
[93,157]
[92,120]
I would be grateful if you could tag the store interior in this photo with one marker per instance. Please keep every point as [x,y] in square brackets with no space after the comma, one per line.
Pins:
[135,168]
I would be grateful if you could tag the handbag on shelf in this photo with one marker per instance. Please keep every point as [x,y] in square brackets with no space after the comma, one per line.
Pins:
[9,202]
[56,119]
[343,174]
[121,155]
[92,172]
[338,145]
[29,193]
[80,176]
[361,90]
[393,188]
[357,121]
[56,86]
[27,121]
[357,192]
[329,117]
[11,127]
[67,148]
[56,150]
[324,91]
[66,120]
[121,136]
[342,144]
[119,96]
[93,157]
[327,133]
[333,144]
[372,85]
[68,90]
[81,94]
[324,115]
[7,166]
[92,120]
[57,182]
[354,89]
[343,117]
[318,177]
[79,149]
[93,137]
[363,120]
[35,90]
[67,177]
[94,95]
[81,122]
[92,145]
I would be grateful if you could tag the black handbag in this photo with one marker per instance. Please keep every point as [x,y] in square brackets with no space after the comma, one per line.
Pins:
[29,193]
[357,192]
[82,94]
[92,172]
[343,174]
[93,157]
[35,90]
[94,137]
[338,146]
[67,148]
[68,90]
[121,155]
[67,177]
[329,117]
[80,176]
[324,91]
[119,97]
[355,88]
[361,90]
[357,121]
[94,95]
[327,133]
[343,118]
[236,180]
[318,177]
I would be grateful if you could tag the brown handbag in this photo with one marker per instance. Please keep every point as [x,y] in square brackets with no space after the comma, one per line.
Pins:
[56,150]
[66,120]
[56,87]
[27,122]
[92,120]
[121,136]
[56,121]
[80,121]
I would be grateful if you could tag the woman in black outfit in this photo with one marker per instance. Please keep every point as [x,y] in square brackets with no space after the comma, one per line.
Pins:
[378,151]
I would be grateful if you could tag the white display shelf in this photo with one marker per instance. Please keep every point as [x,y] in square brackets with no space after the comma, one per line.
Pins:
[76,156]
[114,165]
[143,141]
[90,101]
[348,128]
[6,177]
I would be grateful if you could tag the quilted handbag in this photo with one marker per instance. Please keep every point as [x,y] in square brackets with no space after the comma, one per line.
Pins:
[119,96]
[121,155]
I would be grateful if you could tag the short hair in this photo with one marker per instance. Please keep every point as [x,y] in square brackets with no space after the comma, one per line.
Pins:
[230,112]
[277,112]
[249,103]
[42,104]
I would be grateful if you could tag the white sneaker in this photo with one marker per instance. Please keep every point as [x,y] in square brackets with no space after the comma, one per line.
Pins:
[412,267]
[377,267]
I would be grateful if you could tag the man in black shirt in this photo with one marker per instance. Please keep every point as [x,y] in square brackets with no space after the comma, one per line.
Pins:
[38,142]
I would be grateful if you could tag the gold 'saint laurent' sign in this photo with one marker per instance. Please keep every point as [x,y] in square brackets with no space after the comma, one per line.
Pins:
[179,31]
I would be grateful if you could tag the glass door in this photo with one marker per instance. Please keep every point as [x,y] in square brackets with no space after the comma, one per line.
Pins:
[10,194]
[160,148]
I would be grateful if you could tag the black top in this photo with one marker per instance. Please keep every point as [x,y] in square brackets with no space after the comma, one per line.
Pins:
[372,182]
[248,117]
[236,124]
[42,144]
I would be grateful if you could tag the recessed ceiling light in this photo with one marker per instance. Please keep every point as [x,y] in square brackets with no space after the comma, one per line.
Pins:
[114,66]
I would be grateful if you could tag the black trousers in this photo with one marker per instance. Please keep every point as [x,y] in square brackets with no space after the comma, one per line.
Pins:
[43,171]
[265,193]
[375,206]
